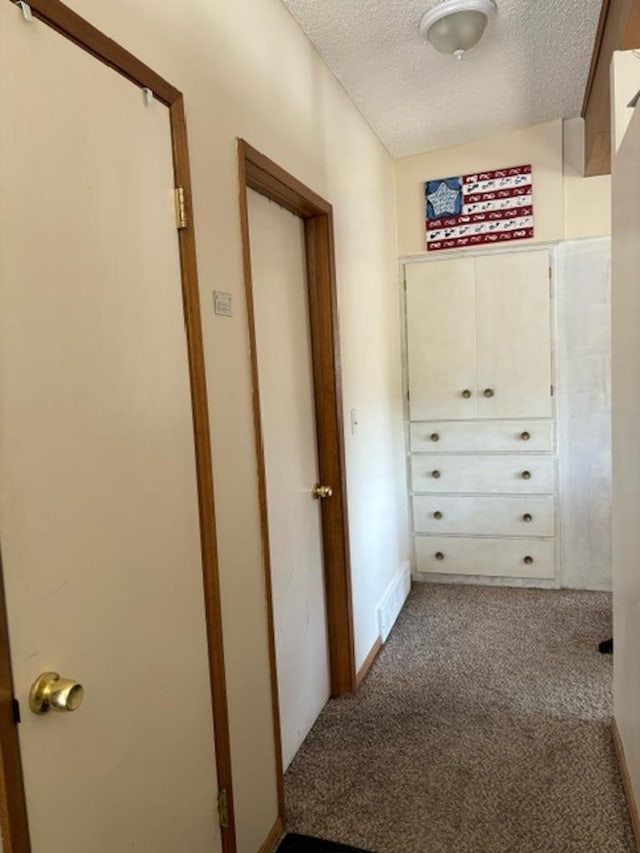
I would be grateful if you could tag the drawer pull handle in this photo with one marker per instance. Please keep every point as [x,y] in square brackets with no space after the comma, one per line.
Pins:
[525,436]
[526,475]
[439,555]
[528,560]
[527,517]
[488,392]
[437,515]
[434,436]
[466,393]
[435,475]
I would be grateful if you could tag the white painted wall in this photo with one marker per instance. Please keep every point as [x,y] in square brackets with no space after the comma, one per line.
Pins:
[625,304]
[583,373]
[587,201]
[566,205]
[246,70]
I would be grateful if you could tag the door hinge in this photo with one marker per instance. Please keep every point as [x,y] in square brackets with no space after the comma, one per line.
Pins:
[15,707]
[223,808]
[552,390]
[181,209]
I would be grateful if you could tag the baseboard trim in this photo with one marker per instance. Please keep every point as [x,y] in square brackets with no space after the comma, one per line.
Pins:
[626,781]
[269,844]
[368,662]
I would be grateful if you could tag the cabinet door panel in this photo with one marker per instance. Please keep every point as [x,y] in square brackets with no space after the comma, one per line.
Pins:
[513,332]
[441,339]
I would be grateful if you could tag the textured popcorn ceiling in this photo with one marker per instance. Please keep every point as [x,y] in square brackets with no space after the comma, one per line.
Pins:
[531,66]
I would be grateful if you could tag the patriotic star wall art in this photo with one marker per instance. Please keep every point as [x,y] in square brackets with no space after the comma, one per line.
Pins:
[471,210]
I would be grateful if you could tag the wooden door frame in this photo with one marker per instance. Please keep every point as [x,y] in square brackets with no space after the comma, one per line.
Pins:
[12,796]
[259,173]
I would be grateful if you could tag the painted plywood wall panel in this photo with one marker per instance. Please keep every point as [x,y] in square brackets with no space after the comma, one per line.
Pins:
[583,358]
[625,304]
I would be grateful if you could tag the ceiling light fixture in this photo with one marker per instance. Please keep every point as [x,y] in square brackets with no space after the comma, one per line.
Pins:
[455,26]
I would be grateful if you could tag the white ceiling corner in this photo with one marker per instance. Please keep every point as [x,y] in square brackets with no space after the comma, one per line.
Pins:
[530,67]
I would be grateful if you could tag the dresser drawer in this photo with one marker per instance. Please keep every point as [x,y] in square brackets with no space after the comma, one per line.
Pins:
[510,558]
[499,516]
[470,436]
[515,474]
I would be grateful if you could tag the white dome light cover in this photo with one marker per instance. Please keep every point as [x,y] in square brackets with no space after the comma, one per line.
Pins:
[455,26]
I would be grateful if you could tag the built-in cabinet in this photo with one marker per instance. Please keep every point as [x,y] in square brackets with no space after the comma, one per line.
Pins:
[480,402]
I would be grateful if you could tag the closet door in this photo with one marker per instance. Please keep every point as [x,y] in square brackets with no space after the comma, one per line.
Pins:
[441,340]
[513,330]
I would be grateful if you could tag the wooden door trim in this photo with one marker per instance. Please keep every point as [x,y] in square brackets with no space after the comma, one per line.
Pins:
[69,24]
[258,173]
[13,808]
[12,799]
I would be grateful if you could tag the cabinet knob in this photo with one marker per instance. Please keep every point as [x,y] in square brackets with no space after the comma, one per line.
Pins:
[488,392]
[528,560]
[435,475]
[437,515]
[439,555]
[525,436]
[466,393]
[527,517]
[526,475]
[434,436]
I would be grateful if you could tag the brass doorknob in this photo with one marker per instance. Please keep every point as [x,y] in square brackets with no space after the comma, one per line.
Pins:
[50,692]
[466,393]
[525,436]
[320,492]
[527,517]
[526,475]
[435,475]
[528,560]
[488,392]
[434,436]
[437,515]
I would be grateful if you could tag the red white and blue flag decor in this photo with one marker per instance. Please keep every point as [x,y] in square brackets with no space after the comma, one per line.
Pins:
[471,210]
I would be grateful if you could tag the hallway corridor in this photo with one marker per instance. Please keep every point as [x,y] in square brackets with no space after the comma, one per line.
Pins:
[482,728]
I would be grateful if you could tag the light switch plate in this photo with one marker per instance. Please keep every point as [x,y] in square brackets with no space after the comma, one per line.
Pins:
[222,303]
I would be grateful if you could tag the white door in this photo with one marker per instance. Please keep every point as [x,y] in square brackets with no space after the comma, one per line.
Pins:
[98,506]
[278,268]
[513,331]
[441,340]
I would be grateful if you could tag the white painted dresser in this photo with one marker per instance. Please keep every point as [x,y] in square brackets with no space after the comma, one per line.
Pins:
[481,430]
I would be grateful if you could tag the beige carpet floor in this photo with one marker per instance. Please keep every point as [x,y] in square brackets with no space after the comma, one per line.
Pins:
[483,727]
